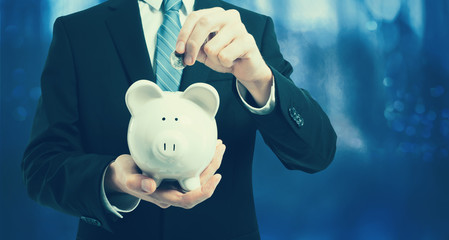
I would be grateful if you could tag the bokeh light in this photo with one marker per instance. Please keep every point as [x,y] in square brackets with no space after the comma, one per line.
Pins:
[380,70]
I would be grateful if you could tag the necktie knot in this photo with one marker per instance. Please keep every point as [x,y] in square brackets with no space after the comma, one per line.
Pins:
[171,5]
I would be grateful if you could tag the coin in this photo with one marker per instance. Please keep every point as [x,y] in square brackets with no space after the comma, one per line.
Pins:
[177,60]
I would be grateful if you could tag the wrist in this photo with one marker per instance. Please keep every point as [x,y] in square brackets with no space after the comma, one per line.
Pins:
[111,183]
[260,87]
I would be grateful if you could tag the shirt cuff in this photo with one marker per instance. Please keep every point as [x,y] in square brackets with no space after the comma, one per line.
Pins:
[118,202]
[269,106]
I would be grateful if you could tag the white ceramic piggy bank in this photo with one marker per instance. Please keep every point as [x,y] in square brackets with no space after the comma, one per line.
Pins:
[172,135]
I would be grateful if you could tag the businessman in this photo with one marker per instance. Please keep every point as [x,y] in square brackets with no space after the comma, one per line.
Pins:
[78,160]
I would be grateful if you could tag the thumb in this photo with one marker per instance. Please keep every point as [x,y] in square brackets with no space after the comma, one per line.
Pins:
[140,184]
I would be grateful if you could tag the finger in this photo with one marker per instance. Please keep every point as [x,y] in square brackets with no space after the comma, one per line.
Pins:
[167,196]
[163,198]
[193,198]
[239,48]
[189,24]
[158,203]
[185,200]
[209,188]
[202,56]
[204,26]
[213,166]
[126,163]
[162,205]
[222,39]
[140,184]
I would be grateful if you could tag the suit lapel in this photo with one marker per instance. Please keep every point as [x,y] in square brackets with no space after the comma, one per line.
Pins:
[125,27]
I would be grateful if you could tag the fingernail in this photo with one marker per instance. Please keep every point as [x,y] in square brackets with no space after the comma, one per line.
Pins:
[212,187]
[188,60]
[179,47]
[146,187]
[219,179]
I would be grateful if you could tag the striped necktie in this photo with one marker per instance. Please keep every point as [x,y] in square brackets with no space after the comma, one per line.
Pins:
[168,78]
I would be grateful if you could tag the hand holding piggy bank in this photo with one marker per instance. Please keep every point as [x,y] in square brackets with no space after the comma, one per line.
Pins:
[172,135]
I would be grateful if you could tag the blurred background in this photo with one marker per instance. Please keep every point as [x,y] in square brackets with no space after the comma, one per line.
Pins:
[379,68]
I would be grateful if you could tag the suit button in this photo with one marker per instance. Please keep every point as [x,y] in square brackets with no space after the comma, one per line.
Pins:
[296,117]
[91,221]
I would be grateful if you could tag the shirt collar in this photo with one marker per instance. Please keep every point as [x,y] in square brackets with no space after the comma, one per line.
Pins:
[156,4]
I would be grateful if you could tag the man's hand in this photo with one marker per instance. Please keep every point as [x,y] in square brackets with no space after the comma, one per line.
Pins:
[219,39]
[123,175]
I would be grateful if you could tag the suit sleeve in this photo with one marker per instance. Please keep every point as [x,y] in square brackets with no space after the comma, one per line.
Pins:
[57,171]
[297,130]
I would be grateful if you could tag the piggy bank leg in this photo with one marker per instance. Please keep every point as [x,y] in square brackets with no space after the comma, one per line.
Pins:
[158,181]
[190,184]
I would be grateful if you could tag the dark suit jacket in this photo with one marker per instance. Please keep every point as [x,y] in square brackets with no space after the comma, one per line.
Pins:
[81,126]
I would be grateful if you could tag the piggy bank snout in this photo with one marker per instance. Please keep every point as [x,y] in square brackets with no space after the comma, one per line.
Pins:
[169,145]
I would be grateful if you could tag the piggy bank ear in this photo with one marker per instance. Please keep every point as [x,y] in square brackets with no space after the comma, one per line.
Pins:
[141,92]
[205,96]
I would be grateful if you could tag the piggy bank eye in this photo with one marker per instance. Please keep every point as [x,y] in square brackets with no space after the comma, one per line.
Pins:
[176,119]
[163,118]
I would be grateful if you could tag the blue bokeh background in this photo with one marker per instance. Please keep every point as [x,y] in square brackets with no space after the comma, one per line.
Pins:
[379,68]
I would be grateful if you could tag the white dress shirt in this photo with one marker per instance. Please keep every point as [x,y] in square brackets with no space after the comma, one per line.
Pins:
[152,17]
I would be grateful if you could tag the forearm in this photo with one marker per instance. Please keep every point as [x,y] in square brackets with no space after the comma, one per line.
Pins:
[57,169]
[255,108]
[260,86]
[63,180]
[297,130]
[66,181]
